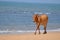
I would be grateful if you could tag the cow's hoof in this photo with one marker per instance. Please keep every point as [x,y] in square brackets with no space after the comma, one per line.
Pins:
[39,32]
[35,33]
[45,33]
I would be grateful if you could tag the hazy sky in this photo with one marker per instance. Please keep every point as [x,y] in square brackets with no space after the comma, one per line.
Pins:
[36,1]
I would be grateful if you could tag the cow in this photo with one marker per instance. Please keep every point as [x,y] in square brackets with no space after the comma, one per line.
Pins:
[40,19]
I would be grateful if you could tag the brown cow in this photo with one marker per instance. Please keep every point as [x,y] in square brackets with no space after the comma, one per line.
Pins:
[41,19]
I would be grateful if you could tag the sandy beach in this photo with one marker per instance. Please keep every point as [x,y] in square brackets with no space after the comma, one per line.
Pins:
[31,36]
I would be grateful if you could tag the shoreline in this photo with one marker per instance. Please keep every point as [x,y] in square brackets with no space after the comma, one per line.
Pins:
[24,32]
[31,36]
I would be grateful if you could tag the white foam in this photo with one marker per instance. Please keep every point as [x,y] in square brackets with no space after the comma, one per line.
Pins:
[38,13]
[54,29]
[26,31]
[41,13]
[19,31]
[24,12]
[48,13]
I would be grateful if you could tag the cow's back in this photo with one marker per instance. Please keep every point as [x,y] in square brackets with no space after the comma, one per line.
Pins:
[43,18]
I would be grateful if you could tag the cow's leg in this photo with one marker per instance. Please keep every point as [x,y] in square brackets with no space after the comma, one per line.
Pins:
[37,28]
[35,31]
[45,29]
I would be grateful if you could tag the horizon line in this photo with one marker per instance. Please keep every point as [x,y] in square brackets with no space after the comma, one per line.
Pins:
[29,2]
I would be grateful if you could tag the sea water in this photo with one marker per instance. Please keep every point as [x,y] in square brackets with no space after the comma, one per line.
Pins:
[16,17]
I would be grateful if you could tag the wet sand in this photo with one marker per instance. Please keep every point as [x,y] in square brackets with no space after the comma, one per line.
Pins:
[31,36]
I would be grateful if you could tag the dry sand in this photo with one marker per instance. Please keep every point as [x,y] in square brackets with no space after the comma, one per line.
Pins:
[31,36]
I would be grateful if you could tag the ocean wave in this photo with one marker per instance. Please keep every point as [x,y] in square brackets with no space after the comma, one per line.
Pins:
[41,13]
[19,31]
[27,31]
[47,13]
